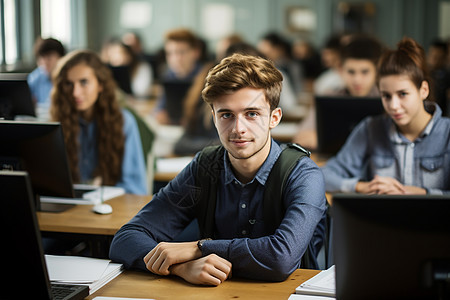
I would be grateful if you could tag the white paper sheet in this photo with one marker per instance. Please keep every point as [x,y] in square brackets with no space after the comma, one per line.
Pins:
[75,269]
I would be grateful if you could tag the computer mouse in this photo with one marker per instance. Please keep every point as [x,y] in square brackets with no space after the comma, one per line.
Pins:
[102,209]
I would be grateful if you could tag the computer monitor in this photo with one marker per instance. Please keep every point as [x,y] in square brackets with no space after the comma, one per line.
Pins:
[15,96]
[122,76]
[337,116]
[175,93]
[39,149]
[391,247]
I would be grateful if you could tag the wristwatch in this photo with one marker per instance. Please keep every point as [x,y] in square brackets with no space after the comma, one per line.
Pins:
[200,243]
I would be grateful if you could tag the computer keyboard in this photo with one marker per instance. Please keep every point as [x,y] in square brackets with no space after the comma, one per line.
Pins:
[69,292]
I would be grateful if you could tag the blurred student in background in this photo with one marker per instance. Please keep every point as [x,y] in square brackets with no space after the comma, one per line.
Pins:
[47,52]
[183,52]
[330,79]
[276,48]
[133,74]
[359,58]
[102,140]
[223,45]
[309,58]
[406,150]
[440,73]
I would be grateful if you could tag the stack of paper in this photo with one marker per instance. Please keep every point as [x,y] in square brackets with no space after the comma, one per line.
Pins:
[323,284]
[81,270]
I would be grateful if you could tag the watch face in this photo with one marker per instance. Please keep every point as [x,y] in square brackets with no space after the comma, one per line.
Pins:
[200,243]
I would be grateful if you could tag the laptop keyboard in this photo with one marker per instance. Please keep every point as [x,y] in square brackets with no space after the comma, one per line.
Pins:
[66,292]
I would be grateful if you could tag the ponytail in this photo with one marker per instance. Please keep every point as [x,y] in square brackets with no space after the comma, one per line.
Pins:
[408,59]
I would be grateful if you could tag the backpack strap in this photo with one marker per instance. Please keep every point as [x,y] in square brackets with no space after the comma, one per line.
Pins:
[273,207]
[210,166]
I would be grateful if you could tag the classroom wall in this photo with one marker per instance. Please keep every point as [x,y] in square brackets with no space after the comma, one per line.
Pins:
[252,18]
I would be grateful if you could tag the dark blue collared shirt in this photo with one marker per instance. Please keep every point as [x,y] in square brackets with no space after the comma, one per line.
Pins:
[238,219]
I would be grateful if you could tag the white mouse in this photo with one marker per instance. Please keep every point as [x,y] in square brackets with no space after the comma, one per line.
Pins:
[102,209]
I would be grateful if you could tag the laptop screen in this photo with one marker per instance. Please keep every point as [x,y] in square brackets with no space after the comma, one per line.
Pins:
[21,251]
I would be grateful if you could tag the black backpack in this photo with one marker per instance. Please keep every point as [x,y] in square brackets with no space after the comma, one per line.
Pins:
[210,165]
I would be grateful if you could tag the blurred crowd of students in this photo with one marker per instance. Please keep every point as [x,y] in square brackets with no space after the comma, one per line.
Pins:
[344,65]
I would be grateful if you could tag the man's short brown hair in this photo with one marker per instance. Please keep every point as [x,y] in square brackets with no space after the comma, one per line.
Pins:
[240,71]
[183,35]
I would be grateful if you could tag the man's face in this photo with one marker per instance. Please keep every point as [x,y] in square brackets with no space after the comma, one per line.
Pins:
[180,57]
[359,76]
[243,121]
[48,61]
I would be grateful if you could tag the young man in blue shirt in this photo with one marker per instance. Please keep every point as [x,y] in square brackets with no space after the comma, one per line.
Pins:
[243,92]
[48,52]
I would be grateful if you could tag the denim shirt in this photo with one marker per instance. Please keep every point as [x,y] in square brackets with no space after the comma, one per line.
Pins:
[376,147]
[252,255]
[40,85]
[134,175]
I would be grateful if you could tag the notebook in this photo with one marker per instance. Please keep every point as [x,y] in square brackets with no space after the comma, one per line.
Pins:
[22,254]
[323,284]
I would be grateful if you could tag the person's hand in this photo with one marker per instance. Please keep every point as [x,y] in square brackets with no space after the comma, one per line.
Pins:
[381,185]
[164,255]
[208,270]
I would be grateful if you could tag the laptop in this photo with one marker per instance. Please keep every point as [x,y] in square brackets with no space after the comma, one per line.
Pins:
[391,246]
[23,261]
[337,116]
[175,92]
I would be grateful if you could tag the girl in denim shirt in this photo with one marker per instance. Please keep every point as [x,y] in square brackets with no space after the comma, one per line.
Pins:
[102,140]
[406,150]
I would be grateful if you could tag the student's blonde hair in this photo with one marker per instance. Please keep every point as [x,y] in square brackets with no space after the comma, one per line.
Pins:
[240,71]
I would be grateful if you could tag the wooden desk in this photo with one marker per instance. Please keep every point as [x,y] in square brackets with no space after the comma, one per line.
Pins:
[80,219]
[136,284]
[81,224]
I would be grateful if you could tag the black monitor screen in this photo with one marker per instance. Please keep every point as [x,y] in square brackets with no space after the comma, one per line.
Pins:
[337,116]
[175,93]
[121,75]
[39,149]
[391,247]
[15,96]
[21,231]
